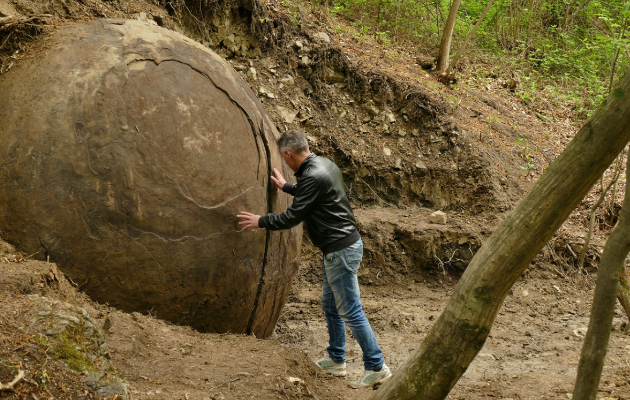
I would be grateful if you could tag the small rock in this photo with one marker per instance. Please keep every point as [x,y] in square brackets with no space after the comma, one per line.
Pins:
[311,139]
[503,181]
[371,109]
[420,165]
[402,133]
[390,118]
[270,95]
[298,45]
[398,164]
[343,115]
[387,151]
[320,37]
[229,41]
[332,76]
[438,217]
[470,180]
[251,73]
[355,153]
[415,132]
[262,91]
[268,63]
[288,80]
[287,115]
[385,128]
[304,61]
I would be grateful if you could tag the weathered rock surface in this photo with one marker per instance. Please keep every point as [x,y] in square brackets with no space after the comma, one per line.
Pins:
[77,340]
[126,153]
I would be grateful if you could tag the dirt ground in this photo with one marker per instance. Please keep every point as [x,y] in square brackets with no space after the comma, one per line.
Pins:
[532,351]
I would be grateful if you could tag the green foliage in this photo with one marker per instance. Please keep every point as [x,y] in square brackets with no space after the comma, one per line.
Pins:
[567,44]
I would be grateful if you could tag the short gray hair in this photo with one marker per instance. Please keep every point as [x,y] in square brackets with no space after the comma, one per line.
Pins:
[294,141]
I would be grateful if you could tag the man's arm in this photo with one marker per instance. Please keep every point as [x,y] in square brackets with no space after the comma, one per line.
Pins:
[304,200]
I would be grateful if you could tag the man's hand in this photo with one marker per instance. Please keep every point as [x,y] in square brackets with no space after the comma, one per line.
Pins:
[249,220]
[278,179]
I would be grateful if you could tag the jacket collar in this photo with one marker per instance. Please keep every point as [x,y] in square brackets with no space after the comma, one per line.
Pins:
[305,164]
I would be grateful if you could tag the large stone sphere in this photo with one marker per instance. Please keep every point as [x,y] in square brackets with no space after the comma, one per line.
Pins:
[126,151]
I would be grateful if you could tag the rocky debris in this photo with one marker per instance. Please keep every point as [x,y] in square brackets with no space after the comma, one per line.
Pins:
[332,76]
[387,151]
[142,16]
[304,61]
[251,73]
[320,37]
[420,166]
[288,80]
[371,109]
[438,217]
[402,133]
[287,115]
[398,164]
[78,341]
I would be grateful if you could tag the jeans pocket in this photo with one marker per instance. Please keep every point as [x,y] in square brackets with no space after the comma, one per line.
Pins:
[331,259]
[353,258]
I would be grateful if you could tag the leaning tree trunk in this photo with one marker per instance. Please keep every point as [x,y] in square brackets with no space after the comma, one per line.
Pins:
[463,326]
[447,35]
[603,308]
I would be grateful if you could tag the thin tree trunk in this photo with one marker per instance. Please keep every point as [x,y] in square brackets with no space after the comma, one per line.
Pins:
[624,291]
[581,6]
[600,200]
[462,49]
[447,36]
[461,330]
[603,308]
[567,13]
[614,65]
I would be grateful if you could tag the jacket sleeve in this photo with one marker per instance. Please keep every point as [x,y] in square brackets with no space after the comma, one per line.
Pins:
[306,195]
[289,188]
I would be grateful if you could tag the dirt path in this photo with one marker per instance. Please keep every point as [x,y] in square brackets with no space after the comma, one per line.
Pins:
[532,351]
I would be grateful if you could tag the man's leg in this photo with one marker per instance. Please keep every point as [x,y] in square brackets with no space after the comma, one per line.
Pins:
[341,275]
[336,326]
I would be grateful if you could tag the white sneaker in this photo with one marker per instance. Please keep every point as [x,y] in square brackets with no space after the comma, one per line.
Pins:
[371,378]
[327,365]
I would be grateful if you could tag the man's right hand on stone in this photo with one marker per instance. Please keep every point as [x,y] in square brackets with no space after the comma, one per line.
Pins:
[278,179]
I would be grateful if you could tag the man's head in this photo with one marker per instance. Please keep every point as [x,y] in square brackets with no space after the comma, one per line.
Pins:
[294,148]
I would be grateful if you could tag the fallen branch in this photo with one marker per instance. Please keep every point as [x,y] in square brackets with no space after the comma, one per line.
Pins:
[10,385]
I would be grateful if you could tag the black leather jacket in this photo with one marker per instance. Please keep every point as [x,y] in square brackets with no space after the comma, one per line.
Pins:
[320,201]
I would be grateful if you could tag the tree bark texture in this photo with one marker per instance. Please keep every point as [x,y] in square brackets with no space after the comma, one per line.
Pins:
[624,291]
[462,49]
[447,36]
[461,330]
[603,308]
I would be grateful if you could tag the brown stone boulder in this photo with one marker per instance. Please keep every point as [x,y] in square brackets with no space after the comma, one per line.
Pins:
[126,151]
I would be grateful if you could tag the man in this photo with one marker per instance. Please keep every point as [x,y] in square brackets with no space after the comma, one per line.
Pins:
[320,202]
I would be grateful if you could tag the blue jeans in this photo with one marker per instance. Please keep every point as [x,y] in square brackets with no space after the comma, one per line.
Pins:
[341,305]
